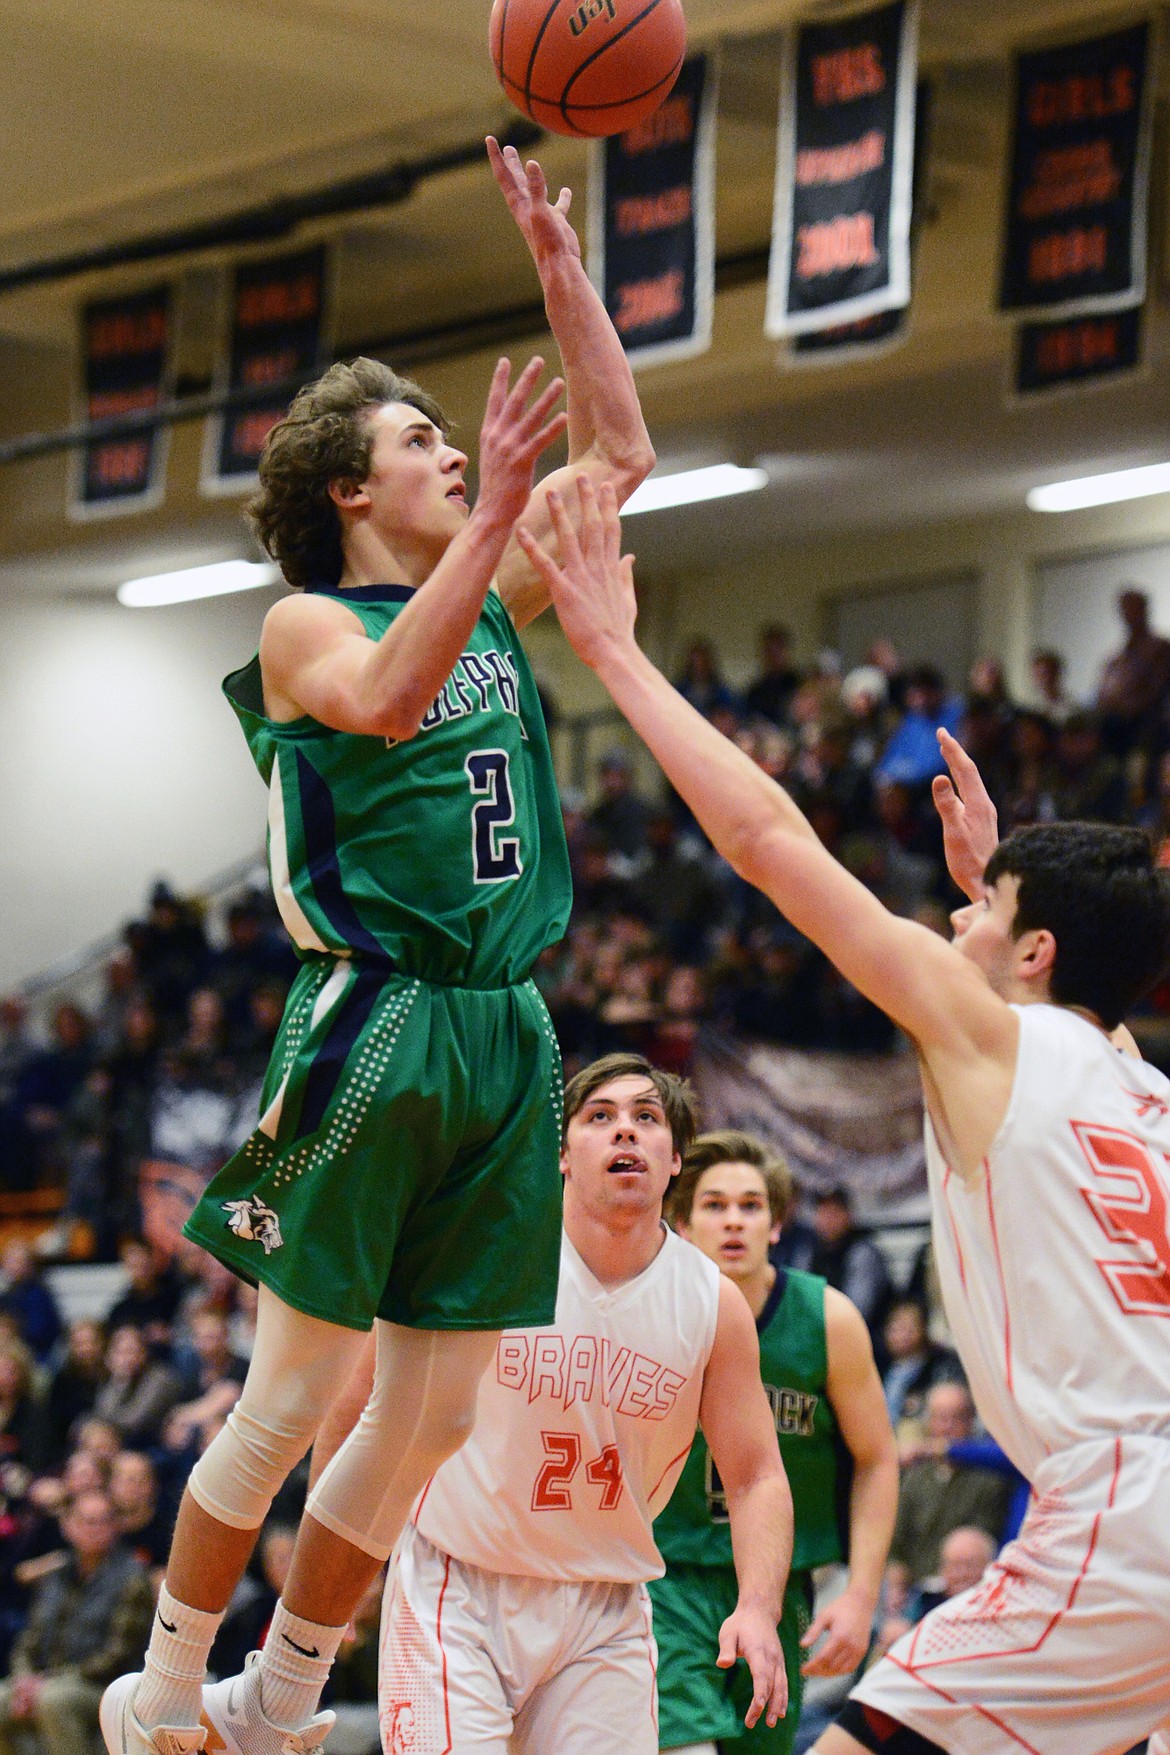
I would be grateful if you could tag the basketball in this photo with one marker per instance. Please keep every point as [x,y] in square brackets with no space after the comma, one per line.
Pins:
[587,67]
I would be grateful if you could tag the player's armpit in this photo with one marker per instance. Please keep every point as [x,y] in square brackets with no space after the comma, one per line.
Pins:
[313,651]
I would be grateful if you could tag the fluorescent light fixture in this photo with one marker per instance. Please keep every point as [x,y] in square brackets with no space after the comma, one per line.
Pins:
[156,589]
[1101,490]
[690,485]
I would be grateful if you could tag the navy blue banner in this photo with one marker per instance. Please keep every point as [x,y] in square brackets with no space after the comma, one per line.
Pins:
[1077,350]
[1075,238]
[651,223]
[844,169]
[277,334]
[126,346]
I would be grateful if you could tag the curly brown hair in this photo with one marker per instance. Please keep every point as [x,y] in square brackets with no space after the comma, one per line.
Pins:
[324,437]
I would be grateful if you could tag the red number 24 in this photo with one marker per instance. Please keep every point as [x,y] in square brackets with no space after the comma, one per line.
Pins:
[1129,1202]
[562,1451]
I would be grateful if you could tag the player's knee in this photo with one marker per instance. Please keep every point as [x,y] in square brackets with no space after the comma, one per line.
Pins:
[881,1734]
[236,1478]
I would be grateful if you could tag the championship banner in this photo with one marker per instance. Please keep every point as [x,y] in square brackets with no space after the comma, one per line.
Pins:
[127,347]
[1075,239]
[844,171]
[1077,350]
[277,333]
[651,223]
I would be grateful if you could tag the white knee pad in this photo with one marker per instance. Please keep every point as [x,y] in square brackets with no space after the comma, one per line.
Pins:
[421,1410]
[297,1363]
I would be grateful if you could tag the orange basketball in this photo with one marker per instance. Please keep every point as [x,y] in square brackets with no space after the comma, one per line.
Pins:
[587,66]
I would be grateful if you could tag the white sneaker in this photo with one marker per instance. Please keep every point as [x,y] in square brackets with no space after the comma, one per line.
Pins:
[124,1735]
[236,1723]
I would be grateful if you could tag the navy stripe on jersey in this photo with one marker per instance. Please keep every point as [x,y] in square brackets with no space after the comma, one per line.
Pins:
[366,593]
[328,1063]
[320,827]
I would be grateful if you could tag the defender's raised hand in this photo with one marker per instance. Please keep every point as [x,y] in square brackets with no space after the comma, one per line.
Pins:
[545,224]
[969,820]
[516,430]
[593,586]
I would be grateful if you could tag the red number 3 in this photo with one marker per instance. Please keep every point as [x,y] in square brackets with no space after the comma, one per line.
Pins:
[562,1451]
[1129,1202]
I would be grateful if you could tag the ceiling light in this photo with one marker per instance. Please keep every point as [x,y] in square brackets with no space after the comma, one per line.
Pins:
[156,589]
[1101,490]
[690,485]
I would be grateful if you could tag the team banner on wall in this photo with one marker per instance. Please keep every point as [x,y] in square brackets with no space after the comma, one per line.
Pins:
[1075,238]
[126,347]
[651,222]
[1077,350]
[276,333]
[844,170]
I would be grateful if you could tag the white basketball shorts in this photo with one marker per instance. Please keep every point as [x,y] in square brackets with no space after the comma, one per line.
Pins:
[479,1663]
[1063,1648]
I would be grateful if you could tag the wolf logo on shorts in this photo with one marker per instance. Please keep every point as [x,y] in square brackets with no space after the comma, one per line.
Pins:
[254,1222]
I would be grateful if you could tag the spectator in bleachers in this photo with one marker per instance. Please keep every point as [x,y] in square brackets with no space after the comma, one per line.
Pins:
[43,1091]
[1048,694]
[1030,793]
[19,1416]
[139,1391]
[89,1622]
[676,889]
[964,1557]
[152,1295]
[1090,782]
[99,1438]
[847,1257]
[251,1042]
[121,991]
[914,1363]
[202,1047]
[769,695]
[170,952]
[620,816]
[144,1522]
[16,1050]
[700,681]
[26,1297]
[937,1494]
[1135,682]
[252,956]
[826,772]
[72,1389]
[912,753]
[865,697]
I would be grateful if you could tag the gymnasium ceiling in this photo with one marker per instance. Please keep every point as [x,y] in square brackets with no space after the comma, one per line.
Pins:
[123,118]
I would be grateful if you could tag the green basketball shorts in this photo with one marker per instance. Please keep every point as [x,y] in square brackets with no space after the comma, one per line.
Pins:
[698,1703]
[406,1164]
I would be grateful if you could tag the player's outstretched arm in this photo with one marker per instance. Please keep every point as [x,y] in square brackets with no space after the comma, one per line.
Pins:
[607,434]
[970,823]
[314,653]
[938,997]
[855,1396]
[740,1430]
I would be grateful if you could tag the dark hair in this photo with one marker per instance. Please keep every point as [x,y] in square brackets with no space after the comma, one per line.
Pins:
[324,437]
[729,1146]
[1096,889]
[678,1096]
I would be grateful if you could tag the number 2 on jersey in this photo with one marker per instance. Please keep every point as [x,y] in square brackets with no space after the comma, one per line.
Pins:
[563,1458]
[1129,1202]
[495,858]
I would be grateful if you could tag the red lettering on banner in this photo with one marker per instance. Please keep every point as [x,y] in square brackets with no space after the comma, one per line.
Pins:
[250,431]
[672,124]
[1078,347]
[848,74]
[642,303]
[840,164]
[126,332]
[1063,255]
[1075,176]
[105,404]
[1082,97]
[635,215]
[269,368]
[834,244]
[278,301]
[121,464]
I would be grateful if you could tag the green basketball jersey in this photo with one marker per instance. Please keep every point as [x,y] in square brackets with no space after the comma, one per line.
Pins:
[693,1525]
[444,856]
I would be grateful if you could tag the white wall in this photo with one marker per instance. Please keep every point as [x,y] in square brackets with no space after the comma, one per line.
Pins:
[120,761]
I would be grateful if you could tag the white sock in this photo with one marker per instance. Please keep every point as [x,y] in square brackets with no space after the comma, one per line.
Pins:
[294,1665]
[171,1689]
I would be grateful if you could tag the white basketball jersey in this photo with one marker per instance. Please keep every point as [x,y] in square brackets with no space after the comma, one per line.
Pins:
[1054,1259]
[582,1428]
